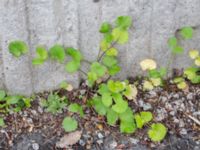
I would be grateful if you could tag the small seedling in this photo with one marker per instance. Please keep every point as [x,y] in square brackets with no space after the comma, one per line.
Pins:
[54,103]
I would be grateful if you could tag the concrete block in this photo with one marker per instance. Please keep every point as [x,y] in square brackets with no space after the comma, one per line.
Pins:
[17,71]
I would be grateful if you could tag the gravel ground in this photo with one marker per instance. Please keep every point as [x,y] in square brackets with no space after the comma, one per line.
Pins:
[35,129]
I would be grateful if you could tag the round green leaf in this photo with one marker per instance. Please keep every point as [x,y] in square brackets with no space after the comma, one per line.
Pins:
[146,116]
[127,116]
[120,107]
[121,36]
[187,32]
[127,127]
[112,117]
[112,52]
[172,42]
[69,124]
[72,66]
[100,108]
[75,54]
[17,48]
[157,132]
[105,27]
[99,69]
[123,22]
[113,70]
[109,61]
[115,87]
[74,107]
[57,52]
[41,53]
[139,121]
[107,99]
[103,88]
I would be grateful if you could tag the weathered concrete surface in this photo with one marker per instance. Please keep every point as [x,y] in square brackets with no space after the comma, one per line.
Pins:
[76,23]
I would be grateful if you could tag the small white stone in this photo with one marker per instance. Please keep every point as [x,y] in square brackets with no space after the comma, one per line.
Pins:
[181,123]
[35,146]
[147,106]
[113,144]
[183,131]
[134,141]
[190,96]
[100,136]
[100,142]
[172,113]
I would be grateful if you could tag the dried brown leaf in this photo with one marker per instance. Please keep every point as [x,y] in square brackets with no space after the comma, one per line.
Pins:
[69,139]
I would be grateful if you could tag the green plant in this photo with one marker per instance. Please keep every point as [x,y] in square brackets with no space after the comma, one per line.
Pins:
[143,118]
[110,97]
[17,48]
[192,72]
[2,123]
[41,56]
[54,103]
[76,108]
[69,124]
[186,33]
[180,82]
[154,75]
[157,132]
[13,103]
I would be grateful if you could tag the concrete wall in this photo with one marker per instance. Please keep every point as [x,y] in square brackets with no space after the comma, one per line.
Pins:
[76,23]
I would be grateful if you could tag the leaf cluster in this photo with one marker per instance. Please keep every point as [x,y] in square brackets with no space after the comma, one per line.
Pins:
[13,103]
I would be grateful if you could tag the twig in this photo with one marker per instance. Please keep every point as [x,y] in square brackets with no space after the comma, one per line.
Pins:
[194,119]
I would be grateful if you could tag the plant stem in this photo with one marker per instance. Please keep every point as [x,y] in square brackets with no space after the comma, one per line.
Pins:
[169,63]
[87,61]
[101,56]
[83,72]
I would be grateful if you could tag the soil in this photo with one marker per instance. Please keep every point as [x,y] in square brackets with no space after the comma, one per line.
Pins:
[36,129]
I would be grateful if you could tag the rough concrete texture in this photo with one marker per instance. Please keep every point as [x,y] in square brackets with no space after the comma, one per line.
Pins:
[76,23]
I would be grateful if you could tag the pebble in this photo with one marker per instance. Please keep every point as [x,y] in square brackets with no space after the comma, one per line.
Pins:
[35,146]
[175,120]
[183,131]
[88,146]
[152,93]
[100,142]
[176,95]
[113,144]
[30,120]
[34,112]
[147,106]
[40,110]
[133,140]
[172,113]
[163,99]
[82,92]
[181,123]
[190,96]
[100,135]
[161,114]
[82,142]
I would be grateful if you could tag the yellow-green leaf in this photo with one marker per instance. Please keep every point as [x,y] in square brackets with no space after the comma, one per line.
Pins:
[148,64]
[193,54]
